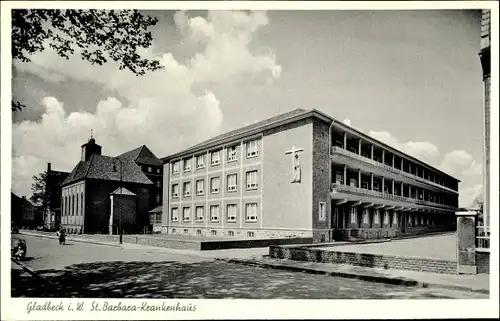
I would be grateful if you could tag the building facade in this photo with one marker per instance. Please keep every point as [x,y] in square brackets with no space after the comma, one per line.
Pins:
[485,57]
[303,174]
[102,193]
[24,214]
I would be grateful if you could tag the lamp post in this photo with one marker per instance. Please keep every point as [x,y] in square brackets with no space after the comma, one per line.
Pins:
[121,194]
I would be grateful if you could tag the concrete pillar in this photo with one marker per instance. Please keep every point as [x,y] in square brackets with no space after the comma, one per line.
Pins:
[383,185]
[376,218]
[345,175]
[393,156]
[402,163]
[345,140]
[383,156]
[409,167]
[371,151]
[395,219]
[366,218]
[111,217]
[392,187]
[410,219]
[359,178]
[353,217]
[386,223]
[422,220]
[371,181]
[466,242]
[359,146]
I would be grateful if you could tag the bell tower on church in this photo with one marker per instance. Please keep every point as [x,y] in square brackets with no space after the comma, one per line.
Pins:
[90,148]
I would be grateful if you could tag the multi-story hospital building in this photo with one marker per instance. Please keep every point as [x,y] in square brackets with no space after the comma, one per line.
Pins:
[304,174]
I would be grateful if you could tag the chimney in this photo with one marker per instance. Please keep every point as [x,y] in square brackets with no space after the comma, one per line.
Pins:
[49,167]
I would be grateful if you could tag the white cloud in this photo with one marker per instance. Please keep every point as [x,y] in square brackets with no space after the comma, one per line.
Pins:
[163,111]
[347,121]
[424,151]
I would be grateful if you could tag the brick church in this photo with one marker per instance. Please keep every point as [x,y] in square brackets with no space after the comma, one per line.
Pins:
[102,191]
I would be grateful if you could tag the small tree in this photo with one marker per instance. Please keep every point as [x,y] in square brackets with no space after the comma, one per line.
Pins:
[100,34]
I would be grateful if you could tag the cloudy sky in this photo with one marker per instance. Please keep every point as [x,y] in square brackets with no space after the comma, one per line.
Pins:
[409,78]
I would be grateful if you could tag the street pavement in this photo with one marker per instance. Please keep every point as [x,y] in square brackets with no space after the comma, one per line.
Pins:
[99,271]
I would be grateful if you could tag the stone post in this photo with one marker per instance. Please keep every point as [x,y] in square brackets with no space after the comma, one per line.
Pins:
[466,242]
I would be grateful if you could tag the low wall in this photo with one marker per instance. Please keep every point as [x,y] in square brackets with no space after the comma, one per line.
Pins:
[362,259]
[185,244]
[483,261]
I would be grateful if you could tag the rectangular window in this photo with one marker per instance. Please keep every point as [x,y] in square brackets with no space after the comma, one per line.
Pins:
[322,211]
[187,189]
[230,233]
[200,215]
[213,232]
[185,231]
[364,185]
[214,213]
[251,212]
[200,187]
[186,214]
[175,190]
[251,180]
[232,182]
[215,158]
[250,234]
[231,212]
[150,169]
[215,185]
[200,161]
[198,232]
[375,186]
[175,167]
[252,148]
[187,164]
[353,182]
[231,154]
[339,178]
[175,214]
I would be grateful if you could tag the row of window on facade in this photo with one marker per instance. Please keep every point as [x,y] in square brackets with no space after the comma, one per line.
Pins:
[215,184]
[212,232]
[214,211]
[252,150]
[72,205]
[150,169]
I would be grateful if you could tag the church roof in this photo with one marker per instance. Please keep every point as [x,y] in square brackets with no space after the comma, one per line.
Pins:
[101,167]
[157,209]
[142,155]
[123,191]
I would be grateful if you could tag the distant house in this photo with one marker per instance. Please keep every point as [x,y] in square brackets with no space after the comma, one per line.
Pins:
[23,212]
[99,191]
[150,165]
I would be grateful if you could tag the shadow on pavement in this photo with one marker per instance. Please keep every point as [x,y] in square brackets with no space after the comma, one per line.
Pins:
[217,280]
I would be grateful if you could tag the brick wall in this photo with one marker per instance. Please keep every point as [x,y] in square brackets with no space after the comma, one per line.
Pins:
[361,259]
[483,261]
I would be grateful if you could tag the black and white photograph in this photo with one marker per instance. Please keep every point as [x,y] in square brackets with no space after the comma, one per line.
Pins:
[154,157]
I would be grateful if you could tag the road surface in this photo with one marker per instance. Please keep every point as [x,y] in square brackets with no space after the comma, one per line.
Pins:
[100,271]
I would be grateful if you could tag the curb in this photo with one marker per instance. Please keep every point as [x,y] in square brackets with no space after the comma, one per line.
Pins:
[358,276]
[71,239]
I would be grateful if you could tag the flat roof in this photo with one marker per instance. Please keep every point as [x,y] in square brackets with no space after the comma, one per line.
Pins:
[286,118]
